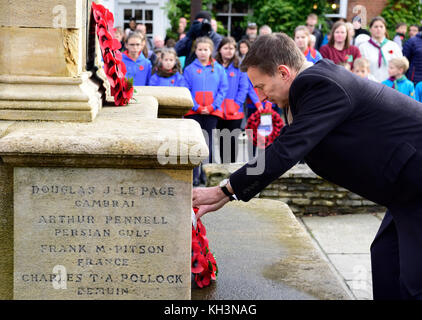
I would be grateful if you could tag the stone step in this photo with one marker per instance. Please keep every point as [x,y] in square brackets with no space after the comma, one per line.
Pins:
[263,252]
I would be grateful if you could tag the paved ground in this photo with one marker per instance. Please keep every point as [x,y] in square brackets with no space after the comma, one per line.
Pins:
[263,252]
[345,240]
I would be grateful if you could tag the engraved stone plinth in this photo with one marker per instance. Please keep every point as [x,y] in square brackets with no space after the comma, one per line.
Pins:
[101,234]
[104,205]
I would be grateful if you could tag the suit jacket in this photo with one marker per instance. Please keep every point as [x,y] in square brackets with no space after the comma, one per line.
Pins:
[351,131]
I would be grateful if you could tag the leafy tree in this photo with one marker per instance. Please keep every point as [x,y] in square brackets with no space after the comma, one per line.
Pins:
[175,10]
[286,15]
[280,15]
[408,11]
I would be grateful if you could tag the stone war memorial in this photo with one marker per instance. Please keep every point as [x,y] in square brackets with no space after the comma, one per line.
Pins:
[95,199]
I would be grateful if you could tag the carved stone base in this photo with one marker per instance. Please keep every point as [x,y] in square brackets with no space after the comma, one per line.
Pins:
[173,102]
[49,98]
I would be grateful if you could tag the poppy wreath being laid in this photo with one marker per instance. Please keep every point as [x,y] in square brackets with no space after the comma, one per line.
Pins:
[204,267]
[114,68]
[253,123]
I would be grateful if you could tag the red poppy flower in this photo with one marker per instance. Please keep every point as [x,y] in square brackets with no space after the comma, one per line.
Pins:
[114,68]
[141,68]
[98,11]
[113,44]
[203,279]
[204,266]
[390,52]
[103,35]
[232,74]
[172,81]
[199,71]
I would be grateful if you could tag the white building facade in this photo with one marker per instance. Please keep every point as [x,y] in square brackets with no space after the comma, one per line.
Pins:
[150,12]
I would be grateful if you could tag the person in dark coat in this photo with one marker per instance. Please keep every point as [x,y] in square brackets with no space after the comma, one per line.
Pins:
[412,50]
[311,23]
[201,27]
[359,134]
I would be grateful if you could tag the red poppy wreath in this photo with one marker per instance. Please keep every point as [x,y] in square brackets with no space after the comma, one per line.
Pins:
[114,68]
[253,123]
[204,267]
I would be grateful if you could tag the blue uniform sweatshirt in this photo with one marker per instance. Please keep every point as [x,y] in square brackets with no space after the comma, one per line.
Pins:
[252,101]
[232,105]
[418,92]
[176,80]
[139,70]
[402,85]
[208,86]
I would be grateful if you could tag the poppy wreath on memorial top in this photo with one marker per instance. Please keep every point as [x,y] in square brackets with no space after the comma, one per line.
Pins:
[253,123]
[114,68]
[204,267]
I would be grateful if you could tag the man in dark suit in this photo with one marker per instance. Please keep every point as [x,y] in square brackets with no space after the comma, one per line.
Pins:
[356,133]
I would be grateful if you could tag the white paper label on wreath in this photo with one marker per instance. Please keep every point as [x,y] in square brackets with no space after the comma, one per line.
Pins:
[266,125]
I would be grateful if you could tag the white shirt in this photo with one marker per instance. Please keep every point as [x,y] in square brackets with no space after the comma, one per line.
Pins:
[390,50]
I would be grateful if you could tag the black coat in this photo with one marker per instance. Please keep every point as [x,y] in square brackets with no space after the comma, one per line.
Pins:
[363,136]
[354,132]
[184,47]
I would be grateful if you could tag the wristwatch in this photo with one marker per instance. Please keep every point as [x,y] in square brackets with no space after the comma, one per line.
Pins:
[223,186]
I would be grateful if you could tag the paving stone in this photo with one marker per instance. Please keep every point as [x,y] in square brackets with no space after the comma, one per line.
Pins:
[352,233]
[352,266]
[263,252]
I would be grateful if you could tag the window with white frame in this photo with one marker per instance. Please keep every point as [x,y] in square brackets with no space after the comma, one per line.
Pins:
[336,8]
[145,16]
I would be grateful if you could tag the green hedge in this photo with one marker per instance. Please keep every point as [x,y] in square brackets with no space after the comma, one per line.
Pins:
[408,11]
[280,15]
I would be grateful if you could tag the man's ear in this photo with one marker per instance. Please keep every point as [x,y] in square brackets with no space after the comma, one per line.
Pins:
[284,71]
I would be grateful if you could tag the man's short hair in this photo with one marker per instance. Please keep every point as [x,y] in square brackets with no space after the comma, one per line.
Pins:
[312,16]
[400,24]
[266,29]
[269,51]
[252,25]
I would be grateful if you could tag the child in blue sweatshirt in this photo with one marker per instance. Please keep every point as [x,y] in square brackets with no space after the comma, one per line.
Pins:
[418,91]
[207,82]
[397,67]
[232,106]
[137,66]
[168,72]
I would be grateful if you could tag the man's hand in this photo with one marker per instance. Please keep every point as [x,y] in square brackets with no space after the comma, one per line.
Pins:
[205,208]
[208,200]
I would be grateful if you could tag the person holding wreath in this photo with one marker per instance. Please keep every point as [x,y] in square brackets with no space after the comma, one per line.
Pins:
[350,132]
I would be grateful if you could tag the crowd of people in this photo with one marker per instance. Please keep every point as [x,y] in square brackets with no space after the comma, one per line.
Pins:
[208,65]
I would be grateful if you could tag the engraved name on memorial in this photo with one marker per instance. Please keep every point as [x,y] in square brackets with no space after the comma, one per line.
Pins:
[101,234]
